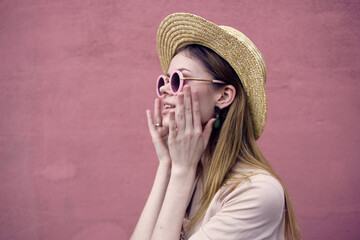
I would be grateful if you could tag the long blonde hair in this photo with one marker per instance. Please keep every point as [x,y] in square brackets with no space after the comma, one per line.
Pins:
[234,141]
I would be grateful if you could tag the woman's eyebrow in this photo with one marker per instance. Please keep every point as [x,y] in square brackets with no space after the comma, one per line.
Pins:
[180,69]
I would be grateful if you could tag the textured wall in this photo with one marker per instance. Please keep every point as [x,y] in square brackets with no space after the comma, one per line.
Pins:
[76,160]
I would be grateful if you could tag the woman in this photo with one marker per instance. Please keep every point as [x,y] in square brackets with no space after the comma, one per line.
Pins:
[212,180]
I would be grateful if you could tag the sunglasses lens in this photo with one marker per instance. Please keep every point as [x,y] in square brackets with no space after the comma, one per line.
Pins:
[160,83]
[175,82]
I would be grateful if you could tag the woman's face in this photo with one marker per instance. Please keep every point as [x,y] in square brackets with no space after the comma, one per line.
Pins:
[190,67]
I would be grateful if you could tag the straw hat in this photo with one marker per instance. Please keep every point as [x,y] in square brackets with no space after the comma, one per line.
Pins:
[180,29]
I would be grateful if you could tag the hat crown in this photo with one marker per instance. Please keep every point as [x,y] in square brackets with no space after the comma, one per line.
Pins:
[254,50]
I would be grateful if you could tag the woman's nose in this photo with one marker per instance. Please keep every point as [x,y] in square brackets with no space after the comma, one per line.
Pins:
[165,89]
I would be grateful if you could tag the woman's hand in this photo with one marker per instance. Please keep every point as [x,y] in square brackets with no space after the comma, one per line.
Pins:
[187,140]
[158,133]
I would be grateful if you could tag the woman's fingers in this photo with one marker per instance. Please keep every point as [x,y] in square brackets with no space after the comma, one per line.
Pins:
[196,111]
[188,108]
[172,126]
[155,122]
[157,135]
[150,121]
[207,131]
[151,125]
[179,110]
[157,111]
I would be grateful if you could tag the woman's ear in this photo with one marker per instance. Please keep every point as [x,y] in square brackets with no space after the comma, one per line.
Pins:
[226,96]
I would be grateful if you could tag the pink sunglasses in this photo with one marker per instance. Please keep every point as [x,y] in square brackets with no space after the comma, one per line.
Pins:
[176,81]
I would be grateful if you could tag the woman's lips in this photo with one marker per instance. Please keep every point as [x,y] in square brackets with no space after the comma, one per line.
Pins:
[167,108]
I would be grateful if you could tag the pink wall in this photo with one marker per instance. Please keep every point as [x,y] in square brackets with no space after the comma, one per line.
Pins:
[76,160]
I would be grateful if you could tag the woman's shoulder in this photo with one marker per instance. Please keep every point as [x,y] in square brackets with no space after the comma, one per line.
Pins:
[254,185]
[250,206]
[243,173]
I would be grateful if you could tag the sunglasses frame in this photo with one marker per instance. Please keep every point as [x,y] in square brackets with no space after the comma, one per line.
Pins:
[181,84]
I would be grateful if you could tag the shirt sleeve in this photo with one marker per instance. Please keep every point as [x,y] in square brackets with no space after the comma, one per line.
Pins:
[252,210]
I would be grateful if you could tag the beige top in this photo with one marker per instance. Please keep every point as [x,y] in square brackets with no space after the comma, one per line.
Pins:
[251,210]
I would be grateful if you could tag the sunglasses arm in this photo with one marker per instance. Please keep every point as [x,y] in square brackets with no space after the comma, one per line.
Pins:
[205,80]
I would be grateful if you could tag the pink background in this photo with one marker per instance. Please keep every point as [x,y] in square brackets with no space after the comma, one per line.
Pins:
[76,159]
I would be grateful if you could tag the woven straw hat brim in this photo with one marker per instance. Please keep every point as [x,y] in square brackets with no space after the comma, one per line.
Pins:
[180,29]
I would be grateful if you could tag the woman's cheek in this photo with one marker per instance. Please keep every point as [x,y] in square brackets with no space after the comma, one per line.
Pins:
[206,115]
